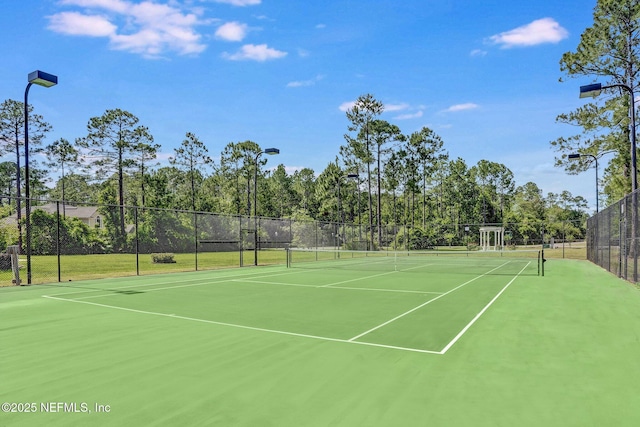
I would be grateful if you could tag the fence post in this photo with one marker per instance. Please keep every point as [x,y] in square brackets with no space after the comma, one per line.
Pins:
[195,230]
[135,217]
[256,240]
[241,241]
[634,231]
[564,236]
[622,240]
[58,237]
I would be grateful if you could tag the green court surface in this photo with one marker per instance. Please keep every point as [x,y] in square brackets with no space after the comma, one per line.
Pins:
[439,341]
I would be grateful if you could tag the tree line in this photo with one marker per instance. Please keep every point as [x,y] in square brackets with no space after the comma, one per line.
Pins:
[379,177]
[608,53]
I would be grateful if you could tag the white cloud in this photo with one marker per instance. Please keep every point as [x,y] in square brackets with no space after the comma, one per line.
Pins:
[347,106]
[239,2]
[409,116]
[545,30]
[146,28]
[119,6]
[303,83]
[232,31]
[387,107]
[293,169]
[77,24]
[461,107]
[253,52]
[395,107]
[478,52]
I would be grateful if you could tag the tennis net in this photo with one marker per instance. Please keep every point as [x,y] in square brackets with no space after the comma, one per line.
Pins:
[525,262]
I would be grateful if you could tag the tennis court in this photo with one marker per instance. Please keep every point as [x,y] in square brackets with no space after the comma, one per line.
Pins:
[334,338]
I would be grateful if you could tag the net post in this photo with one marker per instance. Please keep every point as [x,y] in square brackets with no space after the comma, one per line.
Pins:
[542,263]
[288,254]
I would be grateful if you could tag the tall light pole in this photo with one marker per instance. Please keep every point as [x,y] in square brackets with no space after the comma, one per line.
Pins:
[357,178]
[47,80]
[339,235]
[271,152]
[577,156]
[340,222]
[597,234]
[594,90]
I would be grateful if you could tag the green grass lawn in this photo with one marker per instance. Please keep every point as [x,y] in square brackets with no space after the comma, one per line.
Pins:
[82,267]
[271,346]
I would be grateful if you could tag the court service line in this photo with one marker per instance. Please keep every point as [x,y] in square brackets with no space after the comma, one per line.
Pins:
[233,325]
[356,279]
[333,285]
[462,332]
[337,287]
[387,290]
[202,282]
[143,285]
[425,303]
[261,282]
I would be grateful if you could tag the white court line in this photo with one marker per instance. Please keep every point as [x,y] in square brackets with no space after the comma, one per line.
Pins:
[337,287]
[150,290]
[213,322]
[453,341]
[423,304]
[274,283]
[386,290]
[370,277]
[142,285]
[203,281]
[355,280]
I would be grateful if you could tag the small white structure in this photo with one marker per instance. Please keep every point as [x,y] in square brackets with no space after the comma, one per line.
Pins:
[485,238]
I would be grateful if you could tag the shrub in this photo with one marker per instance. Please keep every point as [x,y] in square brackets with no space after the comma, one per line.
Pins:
[163,258]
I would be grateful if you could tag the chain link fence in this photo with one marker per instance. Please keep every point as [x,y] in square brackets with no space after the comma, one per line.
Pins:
[79,241]
[612,238]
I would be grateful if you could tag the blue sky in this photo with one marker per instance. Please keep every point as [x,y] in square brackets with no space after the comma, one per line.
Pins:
[484,75]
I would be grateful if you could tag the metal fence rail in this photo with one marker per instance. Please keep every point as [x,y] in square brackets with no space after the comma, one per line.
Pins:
[612,241]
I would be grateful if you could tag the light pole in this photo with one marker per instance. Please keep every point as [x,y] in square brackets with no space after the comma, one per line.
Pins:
[47,80]
[271,152]
[594,90]
[341,223]
[357,178]
[339,215]
[577,156]
[597,234]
